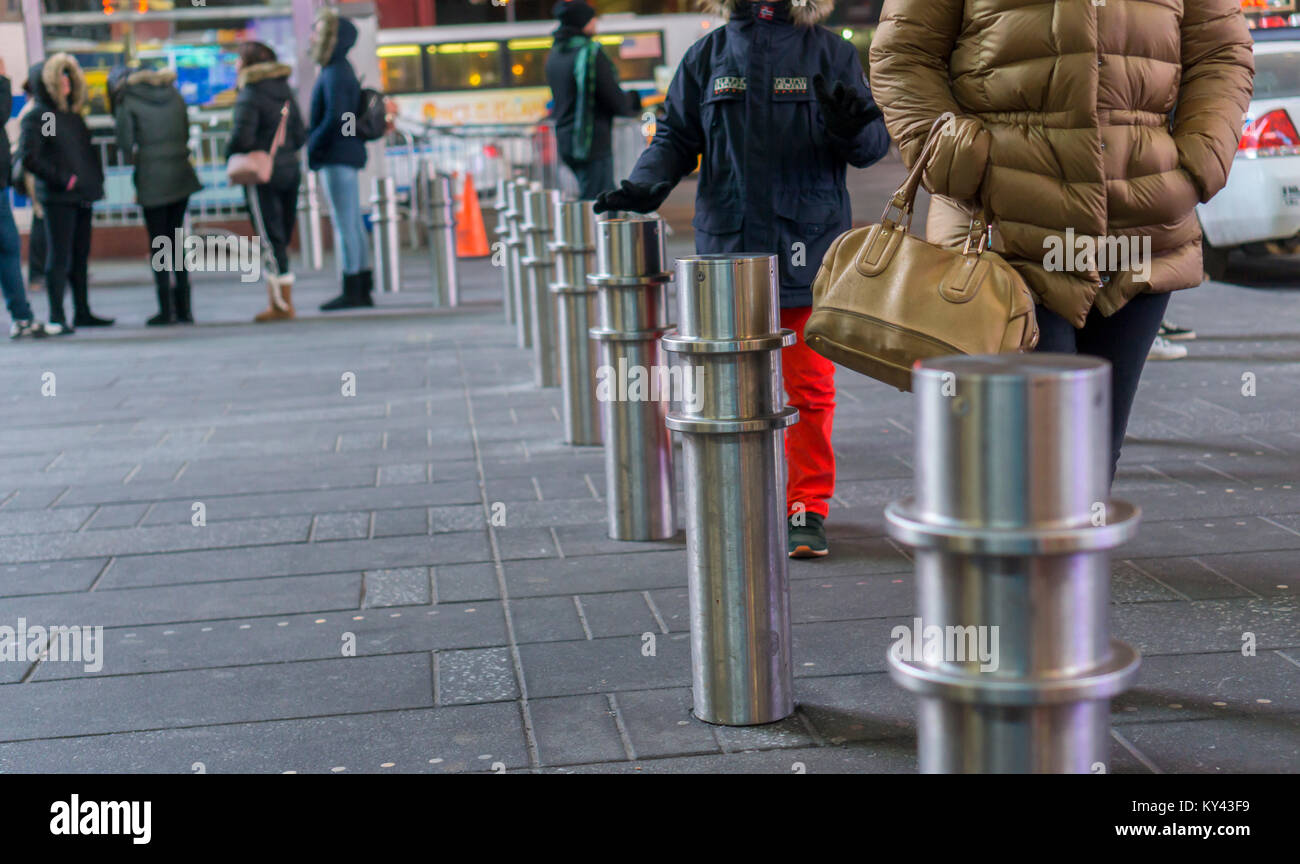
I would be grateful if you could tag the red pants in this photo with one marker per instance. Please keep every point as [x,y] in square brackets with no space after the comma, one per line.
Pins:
[809,380]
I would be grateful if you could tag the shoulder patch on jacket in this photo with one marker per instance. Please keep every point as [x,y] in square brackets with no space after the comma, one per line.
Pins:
[790,84]
[729,84]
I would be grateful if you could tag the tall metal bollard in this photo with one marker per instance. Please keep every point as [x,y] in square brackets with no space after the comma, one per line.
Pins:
[514,255]
[309,231]
[1013,526]
[418,214]
[732,418]
[538,267]
[632,281]
[501,235]
[442,242]
[385,227]
[575,312]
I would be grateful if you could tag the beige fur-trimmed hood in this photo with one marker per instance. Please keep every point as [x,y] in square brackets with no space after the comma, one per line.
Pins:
[261,72]
[807,14]
[52,70]
[155,77]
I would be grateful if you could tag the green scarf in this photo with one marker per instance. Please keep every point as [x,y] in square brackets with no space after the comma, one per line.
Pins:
[584,75]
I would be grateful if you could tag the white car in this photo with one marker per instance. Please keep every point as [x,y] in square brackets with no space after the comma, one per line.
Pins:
[1259,210]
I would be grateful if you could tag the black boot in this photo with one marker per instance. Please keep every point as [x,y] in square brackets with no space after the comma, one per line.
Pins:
[166,310]
[81,304]
[181,299]
[365,285]
[348,299]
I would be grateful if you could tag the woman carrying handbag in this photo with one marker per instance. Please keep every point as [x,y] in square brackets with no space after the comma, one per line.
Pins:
[266,134]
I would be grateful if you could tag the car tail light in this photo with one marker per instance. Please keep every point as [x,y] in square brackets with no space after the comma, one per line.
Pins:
[1270,135]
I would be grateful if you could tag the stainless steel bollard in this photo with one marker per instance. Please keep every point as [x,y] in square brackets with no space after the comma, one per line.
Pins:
[417,216]
[538,267]
[514,255]
[632,282]
[574,249]
[310,243]
[732,419]
[501,236]
[1013,525]
[441,227]
[384,226]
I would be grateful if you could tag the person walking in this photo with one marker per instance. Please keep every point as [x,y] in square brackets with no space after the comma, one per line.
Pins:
[1063,124]
[153,132]
[23,322]
[336,150]
[586,96]
[265,99]
[777,107]
[69,178]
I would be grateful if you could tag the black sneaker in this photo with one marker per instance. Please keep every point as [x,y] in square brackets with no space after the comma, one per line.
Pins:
[809,539]
[1174,333]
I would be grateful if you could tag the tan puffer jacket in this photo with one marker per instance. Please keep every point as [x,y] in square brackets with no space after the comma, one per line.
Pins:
[1063,122]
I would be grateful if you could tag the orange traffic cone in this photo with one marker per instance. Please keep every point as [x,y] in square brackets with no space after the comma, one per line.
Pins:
[471,236]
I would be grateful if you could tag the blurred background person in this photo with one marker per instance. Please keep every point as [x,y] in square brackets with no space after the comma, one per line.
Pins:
[58,153]
[336,151]
[153,132]
[23,322]
[264,93]
[586,98]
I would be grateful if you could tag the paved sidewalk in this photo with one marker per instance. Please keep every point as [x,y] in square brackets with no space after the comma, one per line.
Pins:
[338,521]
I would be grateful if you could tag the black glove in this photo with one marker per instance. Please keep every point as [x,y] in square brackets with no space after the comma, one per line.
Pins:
[847,111]
[637,197]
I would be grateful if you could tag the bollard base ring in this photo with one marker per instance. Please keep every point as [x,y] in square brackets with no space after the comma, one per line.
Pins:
[1107,680]
[787,416]
[679,344]
[913,530]
[565,288]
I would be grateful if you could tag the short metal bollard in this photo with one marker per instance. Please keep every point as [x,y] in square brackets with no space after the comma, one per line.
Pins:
[632,282]
[514,255]
[441,230]
[309,230]
[501,236]
[732,419]
[385,227]
[574,249]
[538,267]
[1012,524]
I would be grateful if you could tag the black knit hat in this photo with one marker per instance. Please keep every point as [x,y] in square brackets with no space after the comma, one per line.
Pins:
[573,13]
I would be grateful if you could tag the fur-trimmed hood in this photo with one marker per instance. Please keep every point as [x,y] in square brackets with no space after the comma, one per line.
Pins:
[807,14]
[46,85]
[336,38]
[262,72]
[153,77]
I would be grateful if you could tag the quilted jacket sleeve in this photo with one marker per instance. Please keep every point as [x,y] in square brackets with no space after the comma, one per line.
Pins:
[1217,81]
[909,76]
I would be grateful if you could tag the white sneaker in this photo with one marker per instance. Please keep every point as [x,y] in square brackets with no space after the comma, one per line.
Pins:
[1163,349]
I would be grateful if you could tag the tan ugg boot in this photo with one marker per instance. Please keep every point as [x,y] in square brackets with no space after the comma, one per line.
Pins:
[279,292]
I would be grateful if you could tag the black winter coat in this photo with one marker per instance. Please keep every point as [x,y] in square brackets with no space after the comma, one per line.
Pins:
[263,92]
[56,142]
[610,99]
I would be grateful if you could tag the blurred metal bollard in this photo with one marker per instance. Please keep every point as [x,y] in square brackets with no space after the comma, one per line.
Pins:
[384,226]
[732,419]
[309,231]
[574,249]
[441,230]
[501,235]
[1012,524]
[632,283]
[514,255]
[417,213]
[538,267]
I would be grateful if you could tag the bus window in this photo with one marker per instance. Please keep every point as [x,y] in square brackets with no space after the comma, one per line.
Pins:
[400,69]
[464,65]
[635,55]
[527,61]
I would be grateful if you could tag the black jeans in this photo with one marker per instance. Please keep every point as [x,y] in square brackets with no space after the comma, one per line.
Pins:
[596,175]
[1123,339]
[275,206]
[67,245]
[164,221]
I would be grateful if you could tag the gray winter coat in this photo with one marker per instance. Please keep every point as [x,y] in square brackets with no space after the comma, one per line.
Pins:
[153,131]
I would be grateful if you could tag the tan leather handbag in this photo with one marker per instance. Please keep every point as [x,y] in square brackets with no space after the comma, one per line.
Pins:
[255,168]
[884,299]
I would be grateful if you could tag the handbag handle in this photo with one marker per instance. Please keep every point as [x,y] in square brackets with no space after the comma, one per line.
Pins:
[904,198]
[279,131]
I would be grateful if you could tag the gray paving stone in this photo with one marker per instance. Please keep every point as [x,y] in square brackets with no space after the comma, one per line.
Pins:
[659,723]
[1208,686]
[341,526]
[49,577]
[400,523]
[546,619]
[482,675]
[404,586]
[1231,745]
[456,582]
[604,666]
[117,516]
[575,729]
